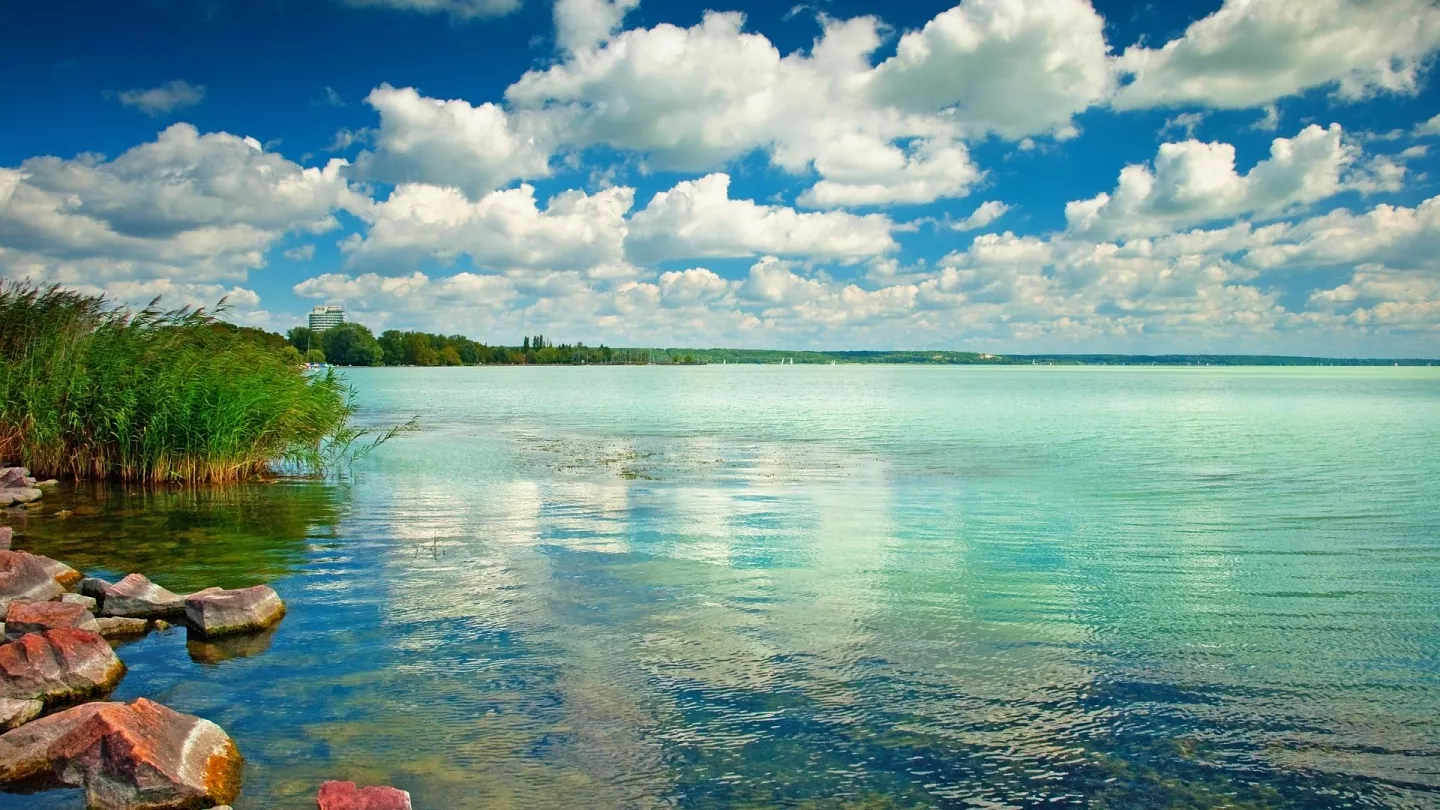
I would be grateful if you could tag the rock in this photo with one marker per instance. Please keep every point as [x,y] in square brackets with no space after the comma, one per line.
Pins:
[94,587]
[346,796]
[47,483]
[10,496]
[216,612]
[23,576]
[139,598]
[119,627]
[16,713]
[12,477]
[24,752]
[145,756]
[37,617]
[161,625]
[89,603]
[60,572]
[6,535]
[58,666]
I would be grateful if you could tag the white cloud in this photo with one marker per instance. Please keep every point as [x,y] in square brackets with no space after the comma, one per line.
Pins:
[450,143]
[186,205]
[1193,183]
[987,213]
[582,24]
[1428,127]
[697,219]
[1015,67]
[456,9]
[303,253]
[866,171]
[166,98]
[502,229]
[1252,52]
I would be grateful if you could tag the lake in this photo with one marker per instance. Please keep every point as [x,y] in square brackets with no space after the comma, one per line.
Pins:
[825,587]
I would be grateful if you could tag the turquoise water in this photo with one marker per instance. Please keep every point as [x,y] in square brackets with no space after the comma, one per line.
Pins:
[827,587]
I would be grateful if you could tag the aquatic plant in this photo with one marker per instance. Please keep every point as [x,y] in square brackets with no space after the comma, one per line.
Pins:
[92,390]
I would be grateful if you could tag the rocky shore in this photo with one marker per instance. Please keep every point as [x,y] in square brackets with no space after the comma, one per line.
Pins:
[58,662]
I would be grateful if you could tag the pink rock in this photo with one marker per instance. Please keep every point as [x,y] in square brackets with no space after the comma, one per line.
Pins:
[24,752]
[12,477]
[60,572]
[16,713]
[6,535]
[37,617]
[139,598]
[346,796]
[216,612]
[9,496]
[145,756]
[23,576]
[58,666]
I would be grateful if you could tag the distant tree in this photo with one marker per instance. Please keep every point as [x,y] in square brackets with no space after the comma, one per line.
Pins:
[469,351]
[392,343]
[314,356]
[351,344]
[525,346]
[303,338]
[418,351]
[292,355]
[449,356]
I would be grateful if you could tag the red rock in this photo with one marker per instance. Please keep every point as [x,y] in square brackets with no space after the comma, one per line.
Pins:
[23,576]
[24,752]
[216,612]
[60,572]
[145,756]
[346,796]
[139,598]
[37,617]
[58,666]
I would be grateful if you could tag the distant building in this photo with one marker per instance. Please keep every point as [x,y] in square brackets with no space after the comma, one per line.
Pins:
[322,318]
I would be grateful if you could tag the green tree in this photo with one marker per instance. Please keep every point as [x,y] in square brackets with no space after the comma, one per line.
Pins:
[315,356]
[292,355]
[418,351]
[392,343]
[303,338]
[449,356]
[351,344]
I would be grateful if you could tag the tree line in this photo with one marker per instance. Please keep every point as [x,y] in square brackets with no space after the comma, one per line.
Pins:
[353,344]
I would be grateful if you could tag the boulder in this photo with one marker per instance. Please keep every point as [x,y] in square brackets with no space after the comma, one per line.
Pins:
[139,598]
[346,796]
[60,572]
[37,617]
[16,713]
[11,477]
[6,535]
[145,756]
[86,602]
[23,576]
[47,483]
[25,752]
[94,587]
[58,666]
[216,612]
[119,627]
[11,496]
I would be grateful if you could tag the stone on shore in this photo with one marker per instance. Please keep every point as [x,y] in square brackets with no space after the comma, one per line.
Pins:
[25,752]
[24,576]
[347,796]
[7,534]
[138,598]
[216,612]
[120,627]
[22,618]
[94,587]
[146,756]
[60,572]
[86,602]
[13,477]
[58,666]
[11,496]
[16,713]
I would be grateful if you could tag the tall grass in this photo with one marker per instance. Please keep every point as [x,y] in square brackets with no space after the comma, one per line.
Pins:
[94,391]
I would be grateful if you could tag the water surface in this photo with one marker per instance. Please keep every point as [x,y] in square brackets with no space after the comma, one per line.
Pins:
[826,587]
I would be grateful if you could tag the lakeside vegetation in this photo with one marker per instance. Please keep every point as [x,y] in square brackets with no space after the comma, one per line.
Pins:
[89,390]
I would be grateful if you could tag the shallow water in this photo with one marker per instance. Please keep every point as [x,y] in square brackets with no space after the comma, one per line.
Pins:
[826,587]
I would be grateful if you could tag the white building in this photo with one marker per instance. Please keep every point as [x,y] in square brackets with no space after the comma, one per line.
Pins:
[322,318]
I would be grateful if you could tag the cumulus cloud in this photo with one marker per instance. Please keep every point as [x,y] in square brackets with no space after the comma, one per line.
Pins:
[582,24]
[1252,52]
[503,229]
[987,213]
[164,99]
[865,171]
[456,9]
[1192,183]
[451,143]
[698,219]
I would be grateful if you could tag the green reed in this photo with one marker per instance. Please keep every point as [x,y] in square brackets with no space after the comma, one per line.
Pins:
[90,390]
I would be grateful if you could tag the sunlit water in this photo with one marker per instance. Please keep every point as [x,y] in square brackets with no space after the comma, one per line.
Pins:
[826,587]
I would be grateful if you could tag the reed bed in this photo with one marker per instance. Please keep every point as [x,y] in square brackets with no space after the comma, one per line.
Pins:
[90,390]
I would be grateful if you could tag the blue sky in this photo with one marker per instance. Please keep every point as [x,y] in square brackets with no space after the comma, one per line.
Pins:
[997,175]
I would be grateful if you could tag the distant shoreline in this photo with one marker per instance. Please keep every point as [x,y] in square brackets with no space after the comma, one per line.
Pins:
[695,357]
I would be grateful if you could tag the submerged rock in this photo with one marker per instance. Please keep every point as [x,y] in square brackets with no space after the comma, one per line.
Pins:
[24,576]
[145,756]
[347,796]
[120,627]
[22,618]
[139,598]
[218,650]
[16,713]
[86,602]
[216,612]
[58,666]
[25,752]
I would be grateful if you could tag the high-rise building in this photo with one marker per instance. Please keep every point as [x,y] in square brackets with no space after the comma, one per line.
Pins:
[322,318]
